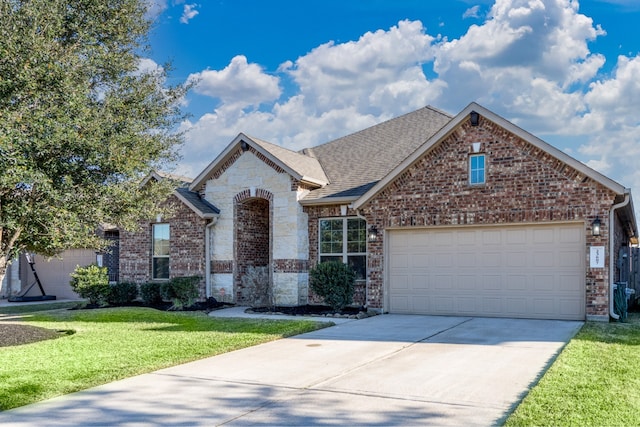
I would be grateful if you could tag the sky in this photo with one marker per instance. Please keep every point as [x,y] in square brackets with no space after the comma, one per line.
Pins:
[299,73]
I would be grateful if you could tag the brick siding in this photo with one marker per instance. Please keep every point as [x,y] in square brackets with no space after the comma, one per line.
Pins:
[186,247]
[523,185]
[252,233]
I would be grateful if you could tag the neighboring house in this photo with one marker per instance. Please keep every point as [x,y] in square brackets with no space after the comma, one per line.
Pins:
[54,274]
[465,215]
[169,247]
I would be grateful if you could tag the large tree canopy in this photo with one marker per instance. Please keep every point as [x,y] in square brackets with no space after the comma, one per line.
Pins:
[80,122]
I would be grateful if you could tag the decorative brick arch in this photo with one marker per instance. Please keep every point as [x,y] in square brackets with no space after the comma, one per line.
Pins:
[258,193]
[253,213]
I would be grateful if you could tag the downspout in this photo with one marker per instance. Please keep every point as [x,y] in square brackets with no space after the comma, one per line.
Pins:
[207,255]
[366,286]
[622,204]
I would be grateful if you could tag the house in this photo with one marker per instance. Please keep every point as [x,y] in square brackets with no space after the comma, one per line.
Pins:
[55,272]
[437,214]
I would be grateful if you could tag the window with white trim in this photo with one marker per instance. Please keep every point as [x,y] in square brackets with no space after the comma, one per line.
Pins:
[477,169]
[345,240]
[160,252]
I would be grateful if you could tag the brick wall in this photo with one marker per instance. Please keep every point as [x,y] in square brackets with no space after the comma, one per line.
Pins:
[252,239]
[186,247]
[314,214]
[523,185]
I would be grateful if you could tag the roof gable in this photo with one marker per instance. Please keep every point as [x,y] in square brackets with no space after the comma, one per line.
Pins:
[356,162]
[191,199]
[300,166]
[453,124]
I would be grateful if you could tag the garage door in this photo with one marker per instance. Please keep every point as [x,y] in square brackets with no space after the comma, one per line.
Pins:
[509,271]
[55,273]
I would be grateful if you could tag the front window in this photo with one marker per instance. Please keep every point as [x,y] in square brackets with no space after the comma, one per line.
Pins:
[345,240]
[476,169]
[160,258]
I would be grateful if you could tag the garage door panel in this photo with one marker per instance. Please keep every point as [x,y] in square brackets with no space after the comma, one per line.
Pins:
[516,237]
[544,306]
[510,271]
[491,259]
[516,282]
[467,304]
[569,260]
[400,304]
[543,259]
[419,282]
[570,235]
[570,283]
[466,282]
[491,237]
[491,282]
[515,260]
[514,306]
[443,304]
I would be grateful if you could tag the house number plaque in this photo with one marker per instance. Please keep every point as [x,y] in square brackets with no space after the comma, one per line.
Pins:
[596,257]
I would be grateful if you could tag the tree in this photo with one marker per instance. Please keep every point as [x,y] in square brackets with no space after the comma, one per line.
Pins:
[80,123]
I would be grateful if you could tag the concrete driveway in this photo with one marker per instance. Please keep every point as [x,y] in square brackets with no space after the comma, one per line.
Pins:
[384,370]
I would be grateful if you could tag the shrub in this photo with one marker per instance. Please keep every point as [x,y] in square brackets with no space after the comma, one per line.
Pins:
[181,291]
[335,282]
[91,282]
[256,289]
[122,293]
[150,294]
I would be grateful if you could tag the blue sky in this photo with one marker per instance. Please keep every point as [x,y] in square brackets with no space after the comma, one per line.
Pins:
[300,73]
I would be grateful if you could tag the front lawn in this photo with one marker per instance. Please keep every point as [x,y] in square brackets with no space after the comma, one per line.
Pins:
[594,382]
[100,346]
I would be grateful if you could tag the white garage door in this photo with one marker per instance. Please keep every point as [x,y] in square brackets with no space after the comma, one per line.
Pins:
[509,271]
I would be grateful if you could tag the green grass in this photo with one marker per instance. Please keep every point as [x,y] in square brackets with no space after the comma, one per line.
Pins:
[19,308]
[595,381]
[110,344]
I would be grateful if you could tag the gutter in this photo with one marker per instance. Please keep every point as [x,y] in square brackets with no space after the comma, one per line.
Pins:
[207,255]
[612,285]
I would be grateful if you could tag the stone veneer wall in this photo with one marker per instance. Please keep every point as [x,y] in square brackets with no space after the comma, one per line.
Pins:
[246,176]
[186,247]
[523,185]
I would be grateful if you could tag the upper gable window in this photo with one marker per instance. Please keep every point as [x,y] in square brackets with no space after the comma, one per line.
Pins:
[477,169]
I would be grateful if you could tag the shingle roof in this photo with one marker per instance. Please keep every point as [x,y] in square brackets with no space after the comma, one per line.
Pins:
[306,167]
[199,205]
[356,162]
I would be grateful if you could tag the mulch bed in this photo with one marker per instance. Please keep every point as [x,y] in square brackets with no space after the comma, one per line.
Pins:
[17,334]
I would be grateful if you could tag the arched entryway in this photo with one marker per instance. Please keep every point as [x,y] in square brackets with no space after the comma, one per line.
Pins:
[252,273]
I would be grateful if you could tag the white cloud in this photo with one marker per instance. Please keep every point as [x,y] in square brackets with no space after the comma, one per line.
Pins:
[472,12]
[240,84]
[361,73]
[188,13]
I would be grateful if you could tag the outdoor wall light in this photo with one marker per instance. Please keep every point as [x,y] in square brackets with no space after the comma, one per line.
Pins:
[244,146]
[475,118]
[373,233]
[595,227]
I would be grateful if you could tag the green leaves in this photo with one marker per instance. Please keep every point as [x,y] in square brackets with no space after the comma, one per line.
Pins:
[80,125]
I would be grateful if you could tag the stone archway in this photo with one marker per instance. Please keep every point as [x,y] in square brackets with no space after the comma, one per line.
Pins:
[252,272]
